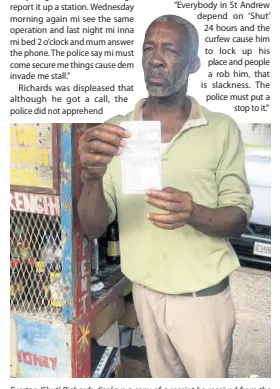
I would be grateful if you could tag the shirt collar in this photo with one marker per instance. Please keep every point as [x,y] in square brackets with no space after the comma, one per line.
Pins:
[195,119]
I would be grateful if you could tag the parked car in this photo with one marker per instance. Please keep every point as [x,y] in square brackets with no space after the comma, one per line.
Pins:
[255,244]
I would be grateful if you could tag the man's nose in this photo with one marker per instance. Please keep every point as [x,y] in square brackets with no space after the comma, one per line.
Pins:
[157,59]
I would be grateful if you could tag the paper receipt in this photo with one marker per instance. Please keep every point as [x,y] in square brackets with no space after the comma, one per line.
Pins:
[141,158]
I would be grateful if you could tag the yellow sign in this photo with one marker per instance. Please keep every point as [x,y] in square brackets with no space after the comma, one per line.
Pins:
[31,155]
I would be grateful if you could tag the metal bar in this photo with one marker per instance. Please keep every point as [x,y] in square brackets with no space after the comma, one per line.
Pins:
[56,155]
[253,237]
[81,275]
[113,293]
[33,189]
[66,218]
[254,260]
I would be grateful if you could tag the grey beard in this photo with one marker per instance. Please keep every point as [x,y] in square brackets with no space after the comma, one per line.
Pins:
[169,92]
[165,100]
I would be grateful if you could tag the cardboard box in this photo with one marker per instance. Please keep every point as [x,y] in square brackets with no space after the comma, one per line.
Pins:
[134,363]
[111,338]
[109,315]
[129,319]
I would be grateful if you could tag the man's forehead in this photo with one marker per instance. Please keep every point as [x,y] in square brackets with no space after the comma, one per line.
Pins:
[166,31]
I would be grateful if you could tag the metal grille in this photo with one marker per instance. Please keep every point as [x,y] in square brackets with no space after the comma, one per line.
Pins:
[259,229]
[35,264]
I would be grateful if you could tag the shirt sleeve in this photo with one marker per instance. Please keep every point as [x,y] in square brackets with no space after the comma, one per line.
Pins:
[109,194]
[233,187]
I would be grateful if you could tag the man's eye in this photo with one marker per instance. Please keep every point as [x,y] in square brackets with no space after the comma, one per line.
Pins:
[147,49]
[172,51]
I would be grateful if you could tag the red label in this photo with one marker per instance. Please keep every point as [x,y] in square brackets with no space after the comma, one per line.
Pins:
[37,360]
[35,203]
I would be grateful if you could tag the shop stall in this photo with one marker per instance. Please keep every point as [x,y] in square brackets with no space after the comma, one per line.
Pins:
[53,313]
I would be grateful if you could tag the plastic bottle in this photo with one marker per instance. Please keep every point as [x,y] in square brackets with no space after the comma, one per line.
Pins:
[95,258]
[16,285]
[56,267]
[47,253]
[24,244]
[29,277]
[41,295]
[21,250]
[14,267]
[102,247]
[56,287]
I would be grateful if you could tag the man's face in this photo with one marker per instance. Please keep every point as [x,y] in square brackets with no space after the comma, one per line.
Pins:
[165,59]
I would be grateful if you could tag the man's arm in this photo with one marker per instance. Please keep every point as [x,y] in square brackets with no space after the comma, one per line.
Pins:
[219,222]
[234,205]
[223,222]
[97,148]
[92,207]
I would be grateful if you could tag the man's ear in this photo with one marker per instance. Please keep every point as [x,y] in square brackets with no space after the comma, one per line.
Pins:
[195,65]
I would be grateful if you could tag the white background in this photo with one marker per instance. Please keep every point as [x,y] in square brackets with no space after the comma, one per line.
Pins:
[144,13]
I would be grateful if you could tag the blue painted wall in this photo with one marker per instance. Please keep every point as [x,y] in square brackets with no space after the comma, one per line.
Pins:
[66,218]
[43,348]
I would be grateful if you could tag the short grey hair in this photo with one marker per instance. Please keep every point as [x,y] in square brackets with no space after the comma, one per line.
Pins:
[190,30]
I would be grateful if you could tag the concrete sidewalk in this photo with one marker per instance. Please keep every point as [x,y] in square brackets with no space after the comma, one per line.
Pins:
[251,292]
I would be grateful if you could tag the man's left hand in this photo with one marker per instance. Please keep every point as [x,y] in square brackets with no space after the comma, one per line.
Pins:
[179,204]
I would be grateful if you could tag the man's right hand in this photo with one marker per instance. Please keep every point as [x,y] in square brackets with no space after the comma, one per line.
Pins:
[98,146]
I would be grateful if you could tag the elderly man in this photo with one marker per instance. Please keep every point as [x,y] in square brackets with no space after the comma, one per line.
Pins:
[174,245]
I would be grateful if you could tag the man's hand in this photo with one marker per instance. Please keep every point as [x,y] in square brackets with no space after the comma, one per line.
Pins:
[98,146]
[179,204]
[219,222]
